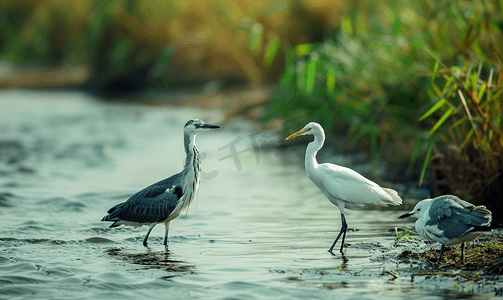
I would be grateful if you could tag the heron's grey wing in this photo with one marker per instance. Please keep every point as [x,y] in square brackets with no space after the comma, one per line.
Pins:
[452,217]
[149,209]
[158,188]
[151,204]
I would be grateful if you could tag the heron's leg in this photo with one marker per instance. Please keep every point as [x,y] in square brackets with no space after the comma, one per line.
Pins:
[343,230]
[463,253]
[441,253]
[148,233]
[166,234]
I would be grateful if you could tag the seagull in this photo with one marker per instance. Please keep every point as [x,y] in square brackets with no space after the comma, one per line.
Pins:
[451,221]
[344,187]
[165,200]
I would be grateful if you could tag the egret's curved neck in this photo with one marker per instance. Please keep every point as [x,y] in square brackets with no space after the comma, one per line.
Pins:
[312,150]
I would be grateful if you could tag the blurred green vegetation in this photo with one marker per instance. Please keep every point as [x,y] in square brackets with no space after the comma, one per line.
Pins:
[58,33]
[410,82]
[402,78]
[201,40]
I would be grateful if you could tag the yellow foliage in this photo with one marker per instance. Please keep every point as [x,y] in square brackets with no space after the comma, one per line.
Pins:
[211,37]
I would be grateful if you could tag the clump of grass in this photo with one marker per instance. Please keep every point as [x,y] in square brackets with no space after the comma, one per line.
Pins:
[467,128]
[405,235]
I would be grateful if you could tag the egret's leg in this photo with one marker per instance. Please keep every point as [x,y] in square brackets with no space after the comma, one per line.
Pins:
[166,234]
[148,233]
[343,230]
[463,253]
[441,253]
[345,226]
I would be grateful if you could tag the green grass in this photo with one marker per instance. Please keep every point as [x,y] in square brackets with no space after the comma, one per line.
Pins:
[466,106]
[404,78]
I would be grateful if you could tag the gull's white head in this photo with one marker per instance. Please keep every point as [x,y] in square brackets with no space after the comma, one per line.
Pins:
[312,128]
[419,210]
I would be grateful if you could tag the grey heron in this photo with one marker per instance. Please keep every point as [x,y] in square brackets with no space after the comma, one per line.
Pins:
[165,200]
[344,187]
[451,221]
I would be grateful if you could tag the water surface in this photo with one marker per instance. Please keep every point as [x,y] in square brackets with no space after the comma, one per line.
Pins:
[257,229]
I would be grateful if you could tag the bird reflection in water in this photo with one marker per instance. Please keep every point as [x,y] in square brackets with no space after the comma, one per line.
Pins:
[153,260]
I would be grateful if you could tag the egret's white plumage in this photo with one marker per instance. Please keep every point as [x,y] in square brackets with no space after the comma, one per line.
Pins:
[451,221]
[344,187]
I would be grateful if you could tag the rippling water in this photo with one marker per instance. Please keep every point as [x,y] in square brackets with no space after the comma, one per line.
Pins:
[258,228]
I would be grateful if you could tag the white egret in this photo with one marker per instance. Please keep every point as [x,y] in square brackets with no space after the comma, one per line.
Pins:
[344,187]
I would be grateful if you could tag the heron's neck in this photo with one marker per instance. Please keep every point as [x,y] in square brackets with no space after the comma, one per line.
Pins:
[311,151]
[191,171]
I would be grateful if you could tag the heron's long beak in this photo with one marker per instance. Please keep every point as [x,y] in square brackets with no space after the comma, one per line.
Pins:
[296,134]
[209,126]
[405,215]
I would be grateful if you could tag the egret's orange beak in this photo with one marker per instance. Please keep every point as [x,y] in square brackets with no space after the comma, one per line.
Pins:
[296,134]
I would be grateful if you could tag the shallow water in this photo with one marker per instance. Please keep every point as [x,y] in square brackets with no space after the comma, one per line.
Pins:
[257,229]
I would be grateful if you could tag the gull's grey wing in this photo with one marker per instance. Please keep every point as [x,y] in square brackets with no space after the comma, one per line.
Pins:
[152,204]
[455,217]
